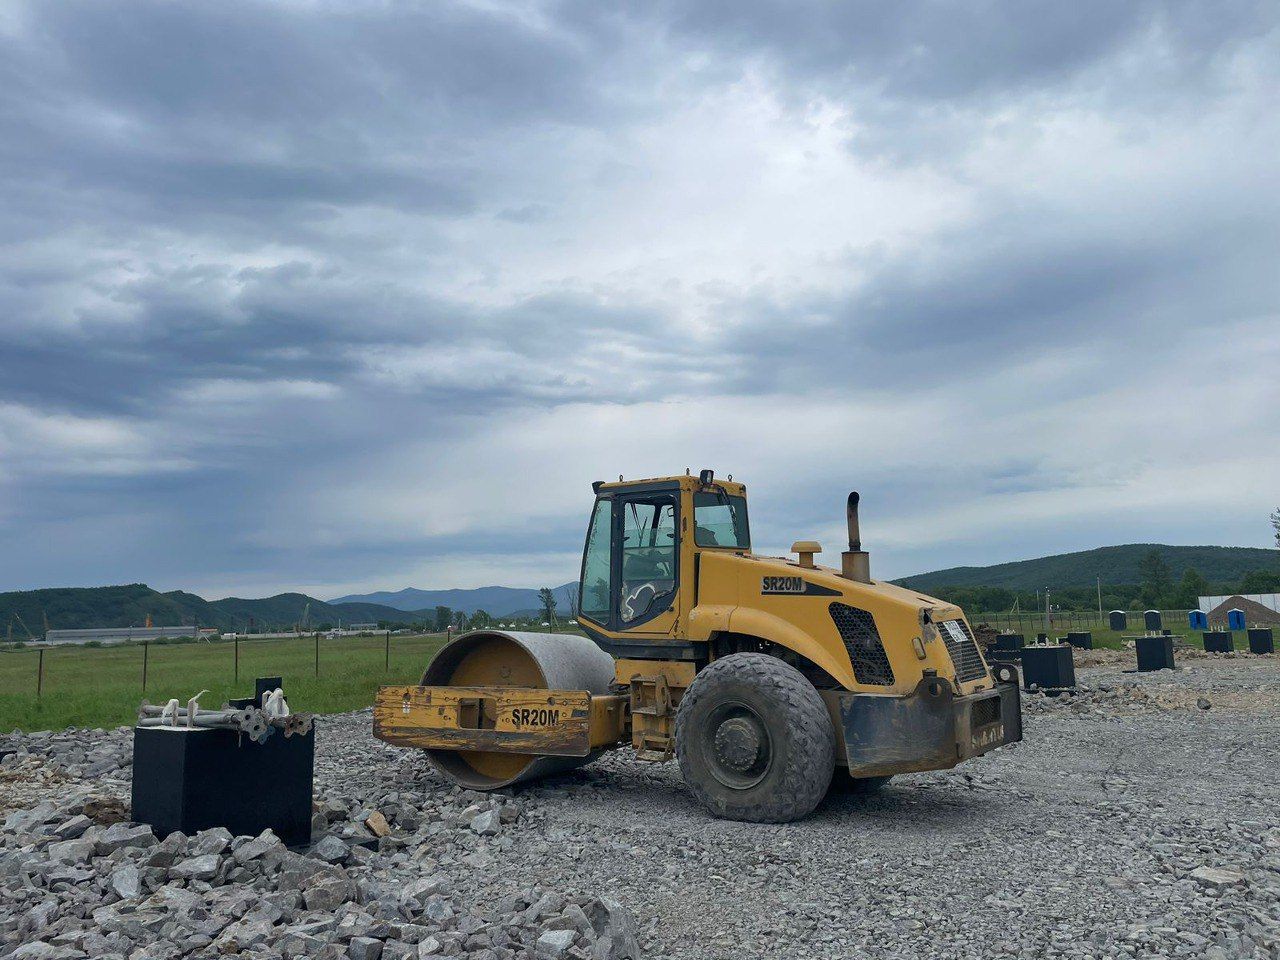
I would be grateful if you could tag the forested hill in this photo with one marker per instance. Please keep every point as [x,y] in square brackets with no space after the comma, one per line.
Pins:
[129,605]
[1122,569]
[500,601]
[1121,565]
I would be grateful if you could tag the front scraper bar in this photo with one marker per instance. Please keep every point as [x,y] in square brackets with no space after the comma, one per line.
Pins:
[554,723]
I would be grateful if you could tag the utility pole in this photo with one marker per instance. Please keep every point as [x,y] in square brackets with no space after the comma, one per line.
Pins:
[1099,601]
[1046,614]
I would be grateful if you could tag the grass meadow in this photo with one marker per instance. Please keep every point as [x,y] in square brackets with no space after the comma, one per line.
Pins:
[102,686]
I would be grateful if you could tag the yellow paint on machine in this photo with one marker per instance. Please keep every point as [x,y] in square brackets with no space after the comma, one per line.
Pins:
[726,590]
[567,723]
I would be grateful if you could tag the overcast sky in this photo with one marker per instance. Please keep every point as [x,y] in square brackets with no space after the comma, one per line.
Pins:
[335,296]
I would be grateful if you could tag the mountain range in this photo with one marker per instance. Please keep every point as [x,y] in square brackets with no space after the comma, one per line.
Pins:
[23,612]
[499,601]
[69,608]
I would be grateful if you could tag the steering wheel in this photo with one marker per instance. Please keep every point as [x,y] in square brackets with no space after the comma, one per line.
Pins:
[638,602]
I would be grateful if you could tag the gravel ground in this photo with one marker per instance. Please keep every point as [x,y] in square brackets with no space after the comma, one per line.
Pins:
[1138,818]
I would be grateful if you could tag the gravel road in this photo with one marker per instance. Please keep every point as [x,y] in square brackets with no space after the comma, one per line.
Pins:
[1138,818]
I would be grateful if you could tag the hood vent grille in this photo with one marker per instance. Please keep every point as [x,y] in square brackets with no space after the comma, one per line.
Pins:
[862,641]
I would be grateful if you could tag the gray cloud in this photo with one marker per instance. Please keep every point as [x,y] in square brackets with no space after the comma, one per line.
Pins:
[274,275]
[956,53]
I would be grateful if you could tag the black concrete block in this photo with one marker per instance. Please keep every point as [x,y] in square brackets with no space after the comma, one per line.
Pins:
[1049,668]
[1006,648]
[1219,641]
[191,780]
[1261,641]
[1154,653]
[1080,639]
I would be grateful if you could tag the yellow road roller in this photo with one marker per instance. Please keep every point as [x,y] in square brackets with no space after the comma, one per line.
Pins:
[770,680]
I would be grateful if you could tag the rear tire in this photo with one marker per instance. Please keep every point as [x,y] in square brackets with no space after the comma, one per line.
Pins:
[754,740]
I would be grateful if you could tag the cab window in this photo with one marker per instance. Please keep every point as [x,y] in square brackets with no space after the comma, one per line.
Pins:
[648,557]
[596,588]
[720,520]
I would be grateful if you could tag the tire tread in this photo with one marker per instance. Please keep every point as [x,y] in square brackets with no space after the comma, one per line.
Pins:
[810,759]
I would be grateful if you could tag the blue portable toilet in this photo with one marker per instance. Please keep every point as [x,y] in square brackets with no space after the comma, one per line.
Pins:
[1118,620]
[1152,619]
[1235,619]
[1198,619]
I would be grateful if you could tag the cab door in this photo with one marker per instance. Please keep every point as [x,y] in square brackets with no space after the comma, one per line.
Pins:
[646,559]
[631,566]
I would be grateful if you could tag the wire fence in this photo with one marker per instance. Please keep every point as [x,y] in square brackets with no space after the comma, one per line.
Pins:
[67,666]
[66,662]
[1028,622]
[54,686]
[66,684]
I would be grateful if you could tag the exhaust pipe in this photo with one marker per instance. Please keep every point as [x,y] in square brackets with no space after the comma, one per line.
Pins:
[855,563]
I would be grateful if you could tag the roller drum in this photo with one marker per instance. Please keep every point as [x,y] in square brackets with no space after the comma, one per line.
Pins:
[544,661]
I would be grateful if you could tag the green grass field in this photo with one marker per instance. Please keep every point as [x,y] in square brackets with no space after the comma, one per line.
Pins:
[102,687]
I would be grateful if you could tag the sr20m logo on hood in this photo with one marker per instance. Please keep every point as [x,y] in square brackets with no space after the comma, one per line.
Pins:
[794,586]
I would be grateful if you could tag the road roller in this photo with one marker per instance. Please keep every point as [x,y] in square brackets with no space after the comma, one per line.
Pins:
[770,680]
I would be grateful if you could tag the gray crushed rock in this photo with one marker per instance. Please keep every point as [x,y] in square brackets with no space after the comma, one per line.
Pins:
[1132,822]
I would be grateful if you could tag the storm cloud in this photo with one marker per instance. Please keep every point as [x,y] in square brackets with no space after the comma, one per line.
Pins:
[334,296]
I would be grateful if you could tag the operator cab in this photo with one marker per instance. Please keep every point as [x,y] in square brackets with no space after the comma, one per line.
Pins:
[639,563]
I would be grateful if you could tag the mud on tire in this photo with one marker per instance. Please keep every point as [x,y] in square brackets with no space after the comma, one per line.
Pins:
[754,740]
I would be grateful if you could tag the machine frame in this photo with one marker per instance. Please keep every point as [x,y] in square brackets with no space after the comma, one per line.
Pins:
[899,673]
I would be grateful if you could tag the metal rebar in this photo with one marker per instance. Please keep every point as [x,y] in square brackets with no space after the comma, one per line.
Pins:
[149,710]
[227,722]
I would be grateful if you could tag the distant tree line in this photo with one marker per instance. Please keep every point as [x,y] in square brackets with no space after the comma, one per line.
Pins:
[446,618]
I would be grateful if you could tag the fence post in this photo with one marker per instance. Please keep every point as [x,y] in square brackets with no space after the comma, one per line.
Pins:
[237,646]
[146,647]
[387,667]
[317,653]
[40,675]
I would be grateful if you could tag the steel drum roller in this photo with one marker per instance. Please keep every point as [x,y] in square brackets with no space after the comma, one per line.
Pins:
[502,658]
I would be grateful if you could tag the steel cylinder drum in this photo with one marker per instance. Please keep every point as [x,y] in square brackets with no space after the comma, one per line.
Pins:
[502,658]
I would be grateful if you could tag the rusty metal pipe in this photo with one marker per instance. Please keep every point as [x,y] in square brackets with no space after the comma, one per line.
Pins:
[855,563]
[851,515]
